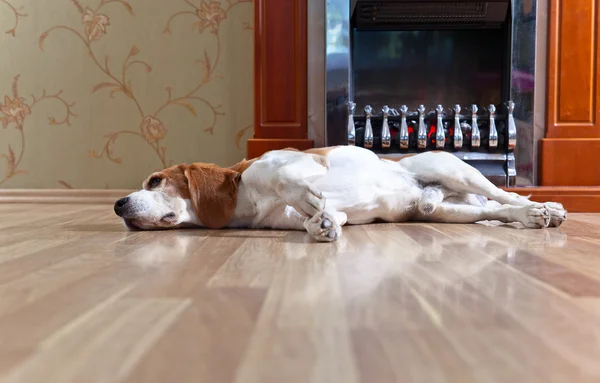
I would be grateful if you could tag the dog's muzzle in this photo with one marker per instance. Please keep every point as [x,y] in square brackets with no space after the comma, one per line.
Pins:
[120,206]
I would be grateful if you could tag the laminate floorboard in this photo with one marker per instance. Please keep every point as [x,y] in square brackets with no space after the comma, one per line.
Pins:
[84,300]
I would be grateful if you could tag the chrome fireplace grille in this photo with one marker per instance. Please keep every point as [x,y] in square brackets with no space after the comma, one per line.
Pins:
[381,13]
[407,76]
[485,135]
[476,130]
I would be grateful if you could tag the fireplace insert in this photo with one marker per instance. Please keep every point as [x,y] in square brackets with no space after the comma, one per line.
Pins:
[410,76]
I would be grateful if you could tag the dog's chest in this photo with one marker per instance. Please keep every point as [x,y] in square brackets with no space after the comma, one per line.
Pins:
[257,206]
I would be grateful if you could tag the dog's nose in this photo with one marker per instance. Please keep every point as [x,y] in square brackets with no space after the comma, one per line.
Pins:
[119,205]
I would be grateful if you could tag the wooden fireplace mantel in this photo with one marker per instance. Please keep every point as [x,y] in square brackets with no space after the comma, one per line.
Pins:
[280,76]
[569,154]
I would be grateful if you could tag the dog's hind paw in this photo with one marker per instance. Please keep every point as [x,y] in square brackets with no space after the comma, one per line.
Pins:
[558,214]
[534,216]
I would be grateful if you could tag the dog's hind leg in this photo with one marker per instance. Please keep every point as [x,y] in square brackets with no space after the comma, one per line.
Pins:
[448,170]
[535,216]
[460,177]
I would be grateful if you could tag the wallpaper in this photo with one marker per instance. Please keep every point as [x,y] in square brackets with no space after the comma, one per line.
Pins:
[100,93]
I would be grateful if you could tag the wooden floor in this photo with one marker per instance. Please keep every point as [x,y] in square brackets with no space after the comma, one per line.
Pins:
[83,300]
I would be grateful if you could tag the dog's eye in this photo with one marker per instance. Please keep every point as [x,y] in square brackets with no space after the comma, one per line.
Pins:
[154,182]
[168,216]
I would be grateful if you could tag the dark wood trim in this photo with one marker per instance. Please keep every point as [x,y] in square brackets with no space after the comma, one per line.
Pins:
[58,196]
[280,72]
[575,199]
[573,70]
[569,161]
[570,151]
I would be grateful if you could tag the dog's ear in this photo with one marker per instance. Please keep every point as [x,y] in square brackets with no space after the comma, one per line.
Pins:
[213,192]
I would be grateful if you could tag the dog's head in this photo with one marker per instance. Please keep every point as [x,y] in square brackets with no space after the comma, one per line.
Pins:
[198,194]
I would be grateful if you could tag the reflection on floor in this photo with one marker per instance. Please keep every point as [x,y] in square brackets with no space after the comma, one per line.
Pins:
[83,300]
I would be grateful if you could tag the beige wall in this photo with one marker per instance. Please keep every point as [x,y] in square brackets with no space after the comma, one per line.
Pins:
[99,93]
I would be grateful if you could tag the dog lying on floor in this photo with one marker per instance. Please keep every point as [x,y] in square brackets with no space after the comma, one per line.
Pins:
[320,190]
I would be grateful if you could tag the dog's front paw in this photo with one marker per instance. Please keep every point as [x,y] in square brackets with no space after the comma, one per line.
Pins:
[323,227]
[558,214]
[534,216]
[306,200]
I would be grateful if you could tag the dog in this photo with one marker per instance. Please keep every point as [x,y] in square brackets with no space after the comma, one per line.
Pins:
[321,190]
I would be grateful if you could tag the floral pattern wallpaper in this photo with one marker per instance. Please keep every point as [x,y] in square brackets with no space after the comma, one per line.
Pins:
[100,93]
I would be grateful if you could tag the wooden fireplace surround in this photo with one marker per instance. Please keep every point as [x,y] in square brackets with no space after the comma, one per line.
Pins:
[569,153]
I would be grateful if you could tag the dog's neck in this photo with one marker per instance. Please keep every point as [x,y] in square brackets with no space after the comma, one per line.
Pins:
[188,215]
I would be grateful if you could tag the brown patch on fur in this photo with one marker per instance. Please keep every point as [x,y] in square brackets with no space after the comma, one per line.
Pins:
[321,151]
[321,160]
[396,159]
[174,182]
[214,193]
[241,166]
[320,155]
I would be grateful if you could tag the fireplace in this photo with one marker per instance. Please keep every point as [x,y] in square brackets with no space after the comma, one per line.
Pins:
[405,76]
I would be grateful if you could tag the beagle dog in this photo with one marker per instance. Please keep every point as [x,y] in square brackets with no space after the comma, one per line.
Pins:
[320,190]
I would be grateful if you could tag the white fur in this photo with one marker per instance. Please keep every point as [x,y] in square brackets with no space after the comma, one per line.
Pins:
[293,190]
